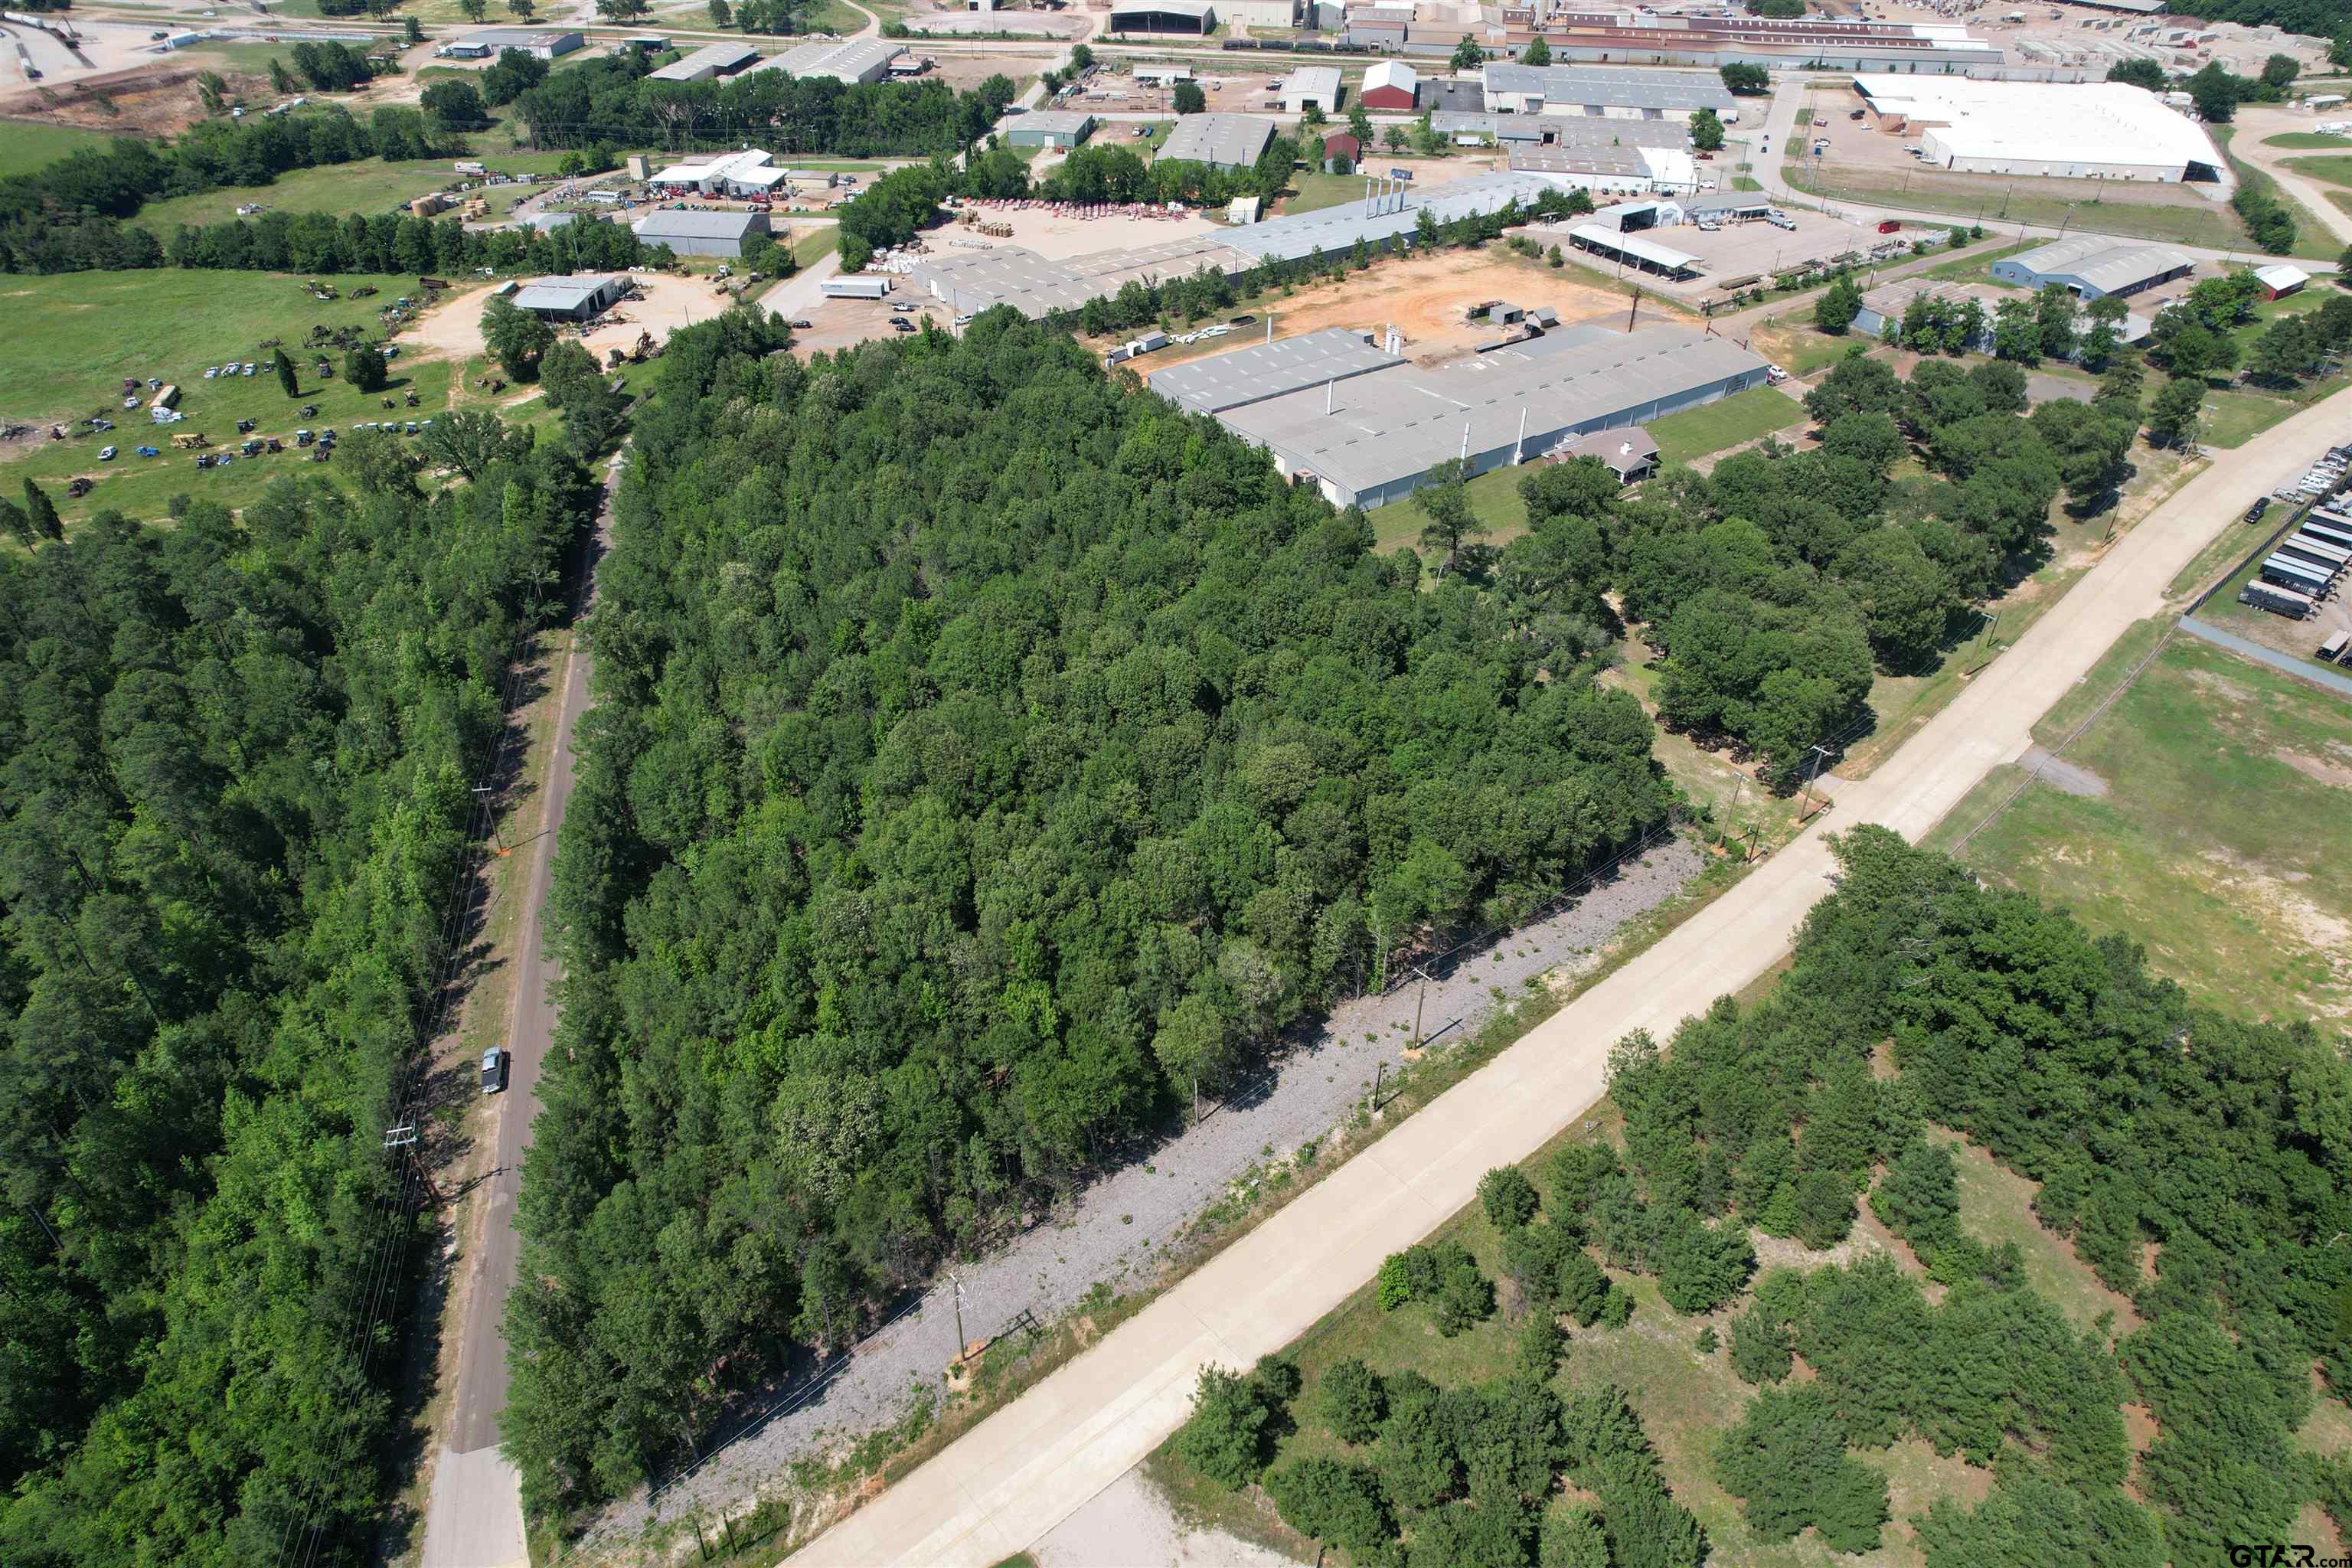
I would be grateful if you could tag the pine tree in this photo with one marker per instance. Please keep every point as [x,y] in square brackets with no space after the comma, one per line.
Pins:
[42,512]
[285,369]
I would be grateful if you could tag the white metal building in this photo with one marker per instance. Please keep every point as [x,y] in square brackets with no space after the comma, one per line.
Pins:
[534,41]
[1258,13]
[1611,170]
[2093,131]
[1318,84]
[849,62]
[738,174]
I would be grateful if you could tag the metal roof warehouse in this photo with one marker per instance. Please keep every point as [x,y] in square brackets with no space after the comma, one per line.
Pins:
[1036,287]
[699,233]
[576,297]
[711,60]
[1261,371]
[1582,89]
[1372,437]
[1224,141]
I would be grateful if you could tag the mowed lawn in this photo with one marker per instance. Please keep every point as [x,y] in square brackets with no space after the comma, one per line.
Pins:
[370,186]
[26,147]
[2302,139]
[77,335]
[1701,432]
[2222,839]
[2335,171]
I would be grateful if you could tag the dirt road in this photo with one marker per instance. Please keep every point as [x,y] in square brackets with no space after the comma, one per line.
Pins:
[1011,1479]
[2256,125]
[473,1518]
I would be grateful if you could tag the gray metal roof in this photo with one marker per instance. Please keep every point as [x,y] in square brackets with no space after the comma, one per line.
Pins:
[1261,371]
[1384,429]
[1624,449]
[1582,158]
[1592,236]
[1010,275]
[1614,89]
[1502,127]
[559,294]
[1054,121]
[706,60]
[1311,81]
[1233,141]
[1199,10]
[694,223]
[516,38]
[2103,264]
[830,57]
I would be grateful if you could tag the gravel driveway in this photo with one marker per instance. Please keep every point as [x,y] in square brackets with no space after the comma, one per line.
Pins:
[1115,1230]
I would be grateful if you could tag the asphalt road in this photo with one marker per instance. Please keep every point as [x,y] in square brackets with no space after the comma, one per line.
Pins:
[1010,1479]
[473,1518]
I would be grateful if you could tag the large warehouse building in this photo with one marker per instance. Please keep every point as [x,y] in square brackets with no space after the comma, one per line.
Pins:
[711,60]
[1367,428]
[1612,94]
[702,233]
[1163,16]
[972,282]
[571,298]
[545,46]
[1221,141]
[2093,131]
[2093,267]
[851,62]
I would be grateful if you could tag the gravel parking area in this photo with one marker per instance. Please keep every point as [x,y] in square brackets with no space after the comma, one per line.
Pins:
[1117,1230]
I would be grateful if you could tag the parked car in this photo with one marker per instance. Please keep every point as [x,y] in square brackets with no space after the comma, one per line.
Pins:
[1774,375]
[106,454]
[494,1069]
[804,324]
[2254,512]
[151,451]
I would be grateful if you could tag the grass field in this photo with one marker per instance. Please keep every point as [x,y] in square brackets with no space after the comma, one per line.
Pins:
[25,148]
[2335,171]
[1310,193]
[1743,416]
[2312,239]
[2181,217]
[369,186]
[2301,140]
[2222,838]
[78,334]
[1494,500]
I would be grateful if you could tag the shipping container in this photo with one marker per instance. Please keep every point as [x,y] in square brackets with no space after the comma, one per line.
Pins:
[854,288]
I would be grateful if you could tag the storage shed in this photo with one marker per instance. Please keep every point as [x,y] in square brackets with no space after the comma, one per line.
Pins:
[571,298]
[1050,128]
[1389,84]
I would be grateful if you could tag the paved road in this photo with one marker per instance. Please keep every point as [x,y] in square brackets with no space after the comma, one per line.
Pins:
[474,1517]
[2255,124]
[1010,1479]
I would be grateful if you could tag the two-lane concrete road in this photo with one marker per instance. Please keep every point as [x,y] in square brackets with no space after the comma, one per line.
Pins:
[1008,1482]
[473,1518]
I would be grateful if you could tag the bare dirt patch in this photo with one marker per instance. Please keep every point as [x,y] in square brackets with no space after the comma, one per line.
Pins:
[453,327]
[2325,772]
[1424,297]
[2070,778]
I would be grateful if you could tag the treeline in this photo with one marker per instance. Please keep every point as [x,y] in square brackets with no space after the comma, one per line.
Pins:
[2062,1054]
[69,217]
[986,754]
[228,829]
[609,100]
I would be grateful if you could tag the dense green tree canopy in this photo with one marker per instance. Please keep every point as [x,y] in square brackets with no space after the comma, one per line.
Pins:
[983,751]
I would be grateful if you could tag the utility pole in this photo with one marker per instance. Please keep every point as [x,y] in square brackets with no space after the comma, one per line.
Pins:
[1419,997]
[1378,1070]
[1636,308]
[1803,806]
[956,1280]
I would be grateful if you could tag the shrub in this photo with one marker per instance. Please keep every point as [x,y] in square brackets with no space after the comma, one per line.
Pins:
[1352,1402]
[1508,1197]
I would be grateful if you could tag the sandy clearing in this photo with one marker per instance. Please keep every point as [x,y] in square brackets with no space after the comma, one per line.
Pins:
[1059,235]
[453,328]
[1130,1523]
[1423,297]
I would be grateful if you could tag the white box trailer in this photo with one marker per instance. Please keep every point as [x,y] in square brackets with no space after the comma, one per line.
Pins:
[2328,533]
[2278,601]
[2289,573]
[2328,558]
[854,288]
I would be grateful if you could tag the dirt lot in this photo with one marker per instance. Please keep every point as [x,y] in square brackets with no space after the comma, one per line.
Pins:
[841,323]
[1423,297]
[152,94]
[453,327]
[1228,92]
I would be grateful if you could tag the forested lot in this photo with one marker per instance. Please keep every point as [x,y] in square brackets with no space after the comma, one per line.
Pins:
[1772,587]
[985,754]
[2157,1129]
[233,795]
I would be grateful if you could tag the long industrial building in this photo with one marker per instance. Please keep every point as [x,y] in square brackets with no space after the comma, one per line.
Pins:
[973,281]
[2095,130]
[1366,428]
[1603,93]
[1220,140]
[851,62]
[2092,267]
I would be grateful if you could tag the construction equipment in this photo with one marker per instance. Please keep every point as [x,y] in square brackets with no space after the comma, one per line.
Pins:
[190,443]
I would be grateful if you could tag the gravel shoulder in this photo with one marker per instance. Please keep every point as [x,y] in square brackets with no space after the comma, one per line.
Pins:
[1117,1231]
